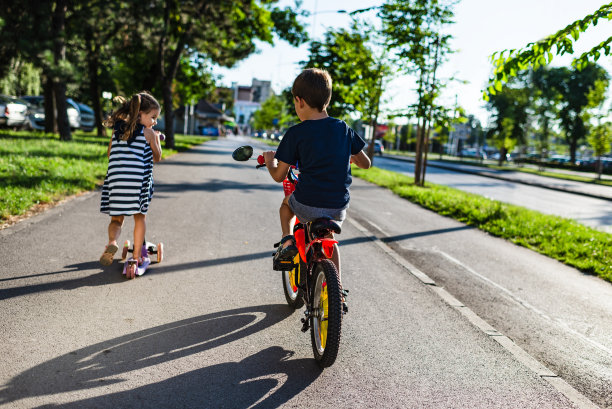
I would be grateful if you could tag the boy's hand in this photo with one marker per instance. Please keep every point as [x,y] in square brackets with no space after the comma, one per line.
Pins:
[269,157]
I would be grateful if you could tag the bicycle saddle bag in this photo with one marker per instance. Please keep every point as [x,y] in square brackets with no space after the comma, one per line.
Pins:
[322,227]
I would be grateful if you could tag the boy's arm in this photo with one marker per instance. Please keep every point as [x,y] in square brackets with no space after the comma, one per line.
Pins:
[278,169]
[361,160]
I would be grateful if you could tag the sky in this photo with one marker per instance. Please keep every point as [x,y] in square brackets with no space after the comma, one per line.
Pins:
[481,28]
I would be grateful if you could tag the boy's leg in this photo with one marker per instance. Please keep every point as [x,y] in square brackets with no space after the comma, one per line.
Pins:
[336,257]
[140,228]
[287,219]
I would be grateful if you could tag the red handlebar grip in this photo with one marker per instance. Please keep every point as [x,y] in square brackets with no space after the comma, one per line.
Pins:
[260,160]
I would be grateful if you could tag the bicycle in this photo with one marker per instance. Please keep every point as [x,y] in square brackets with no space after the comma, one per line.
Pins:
[311,278]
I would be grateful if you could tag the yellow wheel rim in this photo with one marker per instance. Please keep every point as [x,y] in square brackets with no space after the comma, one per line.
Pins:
[324,307]
[295,273]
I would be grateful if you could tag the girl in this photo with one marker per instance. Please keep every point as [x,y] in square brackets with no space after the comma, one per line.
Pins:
[128,186]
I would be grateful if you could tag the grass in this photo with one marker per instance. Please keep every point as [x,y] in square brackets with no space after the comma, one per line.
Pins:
[574,244]
[38,169]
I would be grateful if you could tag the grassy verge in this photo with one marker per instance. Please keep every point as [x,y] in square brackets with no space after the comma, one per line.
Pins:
[38,168]
[574,244]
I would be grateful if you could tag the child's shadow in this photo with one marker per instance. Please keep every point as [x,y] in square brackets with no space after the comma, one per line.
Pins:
[110,275]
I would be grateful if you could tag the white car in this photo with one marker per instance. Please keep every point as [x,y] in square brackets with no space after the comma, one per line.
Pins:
[37,112]
[13,112]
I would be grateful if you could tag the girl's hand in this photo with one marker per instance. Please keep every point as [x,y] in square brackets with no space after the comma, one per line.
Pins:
[152,138]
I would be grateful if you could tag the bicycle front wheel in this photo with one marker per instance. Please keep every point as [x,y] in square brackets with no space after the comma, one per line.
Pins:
[291,279]
[326,317]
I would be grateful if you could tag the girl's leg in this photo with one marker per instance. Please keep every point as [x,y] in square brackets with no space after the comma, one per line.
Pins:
[140,228]
[114,229]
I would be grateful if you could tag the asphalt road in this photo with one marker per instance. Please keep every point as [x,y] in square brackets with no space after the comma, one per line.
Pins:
[209,326]
[586,210]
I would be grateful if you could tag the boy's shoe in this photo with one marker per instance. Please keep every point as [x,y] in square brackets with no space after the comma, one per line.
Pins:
[283,258]
[343,295]
[106,259]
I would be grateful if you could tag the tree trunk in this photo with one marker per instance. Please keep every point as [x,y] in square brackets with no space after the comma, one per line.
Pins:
[59,54]
[93,62]
[49,104]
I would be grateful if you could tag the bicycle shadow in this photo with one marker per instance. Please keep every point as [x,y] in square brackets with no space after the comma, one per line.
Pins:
[108,362]
[266,379]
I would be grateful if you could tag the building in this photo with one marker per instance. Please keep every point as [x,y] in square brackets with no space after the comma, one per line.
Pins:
[247,100]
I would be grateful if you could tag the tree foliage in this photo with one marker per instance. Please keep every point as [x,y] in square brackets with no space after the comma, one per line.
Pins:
[507,63]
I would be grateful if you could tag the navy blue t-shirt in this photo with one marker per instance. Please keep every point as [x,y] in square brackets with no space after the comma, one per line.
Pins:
[323,149]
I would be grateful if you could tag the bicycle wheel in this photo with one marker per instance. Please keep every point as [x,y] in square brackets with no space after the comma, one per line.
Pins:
[291,278]
[326,318]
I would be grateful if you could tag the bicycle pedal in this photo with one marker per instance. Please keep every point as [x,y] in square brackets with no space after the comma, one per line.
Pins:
[305,325]
[283,265]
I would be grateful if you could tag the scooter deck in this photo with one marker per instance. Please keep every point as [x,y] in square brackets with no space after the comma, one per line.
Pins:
[141,269]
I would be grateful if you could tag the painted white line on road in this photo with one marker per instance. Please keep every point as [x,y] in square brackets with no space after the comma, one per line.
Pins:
[520,301]
[581,401]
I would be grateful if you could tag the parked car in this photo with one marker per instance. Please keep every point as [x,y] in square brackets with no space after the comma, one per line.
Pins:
[473,153]
[378,147]
[37,112]
[13,112]
[87,119]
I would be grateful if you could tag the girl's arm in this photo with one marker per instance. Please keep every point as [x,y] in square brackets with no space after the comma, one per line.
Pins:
[152,138]
[110,143]
[278,169]
[361,160]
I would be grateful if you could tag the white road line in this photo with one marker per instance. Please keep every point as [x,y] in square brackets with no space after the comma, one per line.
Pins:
[581,401]
[524,303]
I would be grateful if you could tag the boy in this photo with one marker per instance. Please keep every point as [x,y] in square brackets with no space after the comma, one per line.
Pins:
[324,147]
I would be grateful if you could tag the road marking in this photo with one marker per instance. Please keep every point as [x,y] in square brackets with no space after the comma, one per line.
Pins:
[516,351]
[520,301]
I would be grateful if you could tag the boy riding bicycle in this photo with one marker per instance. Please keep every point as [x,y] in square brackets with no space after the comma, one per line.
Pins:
[323,147]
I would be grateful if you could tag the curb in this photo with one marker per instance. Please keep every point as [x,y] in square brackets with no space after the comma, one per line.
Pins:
[492,176]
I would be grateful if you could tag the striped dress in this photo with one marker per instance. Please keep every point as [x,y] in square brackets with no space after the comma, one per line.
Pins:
[128,186]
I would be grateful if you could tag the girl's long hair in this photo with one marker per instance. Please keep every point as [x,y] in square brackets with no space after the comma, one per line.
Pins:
[128,112]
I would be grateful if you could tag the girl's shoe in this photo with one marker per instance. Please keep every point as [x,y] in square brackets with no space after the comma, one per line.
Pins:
[109,253]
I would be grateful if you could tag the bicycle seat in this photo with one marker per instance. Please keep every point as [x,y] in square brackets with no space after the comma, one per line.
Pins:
[321,227]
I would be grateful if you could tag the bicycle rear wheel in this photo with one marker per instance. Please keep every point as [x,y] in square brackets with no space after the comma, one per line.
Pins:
[326,318]
[291,279]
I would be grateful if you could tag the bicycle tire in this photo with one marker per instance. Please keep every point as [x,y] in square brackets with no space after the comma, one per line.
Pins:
[325,325]
[294,294]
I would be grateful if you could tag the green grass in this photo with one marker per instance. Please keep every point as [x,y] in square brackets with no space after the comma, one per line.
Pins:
[574,244]
[38,168]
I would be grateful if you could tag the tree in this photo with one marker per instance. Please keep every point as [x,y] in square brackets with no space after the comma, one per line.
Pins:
[600,139]
[225,32]
[545,102]
[273,114]
[581,90]
[39,36]
[358,73]
[508,63]
[510,118]
[413,33]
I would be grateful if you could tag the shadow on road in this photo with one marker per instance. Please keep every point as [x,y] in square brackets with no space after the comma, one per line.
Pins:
[104,278]
[216,185]
[267,375]
[101,278]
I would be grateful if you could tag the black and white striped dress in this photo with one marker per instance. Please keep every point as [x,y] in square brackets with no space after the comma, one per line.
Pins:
[128,186]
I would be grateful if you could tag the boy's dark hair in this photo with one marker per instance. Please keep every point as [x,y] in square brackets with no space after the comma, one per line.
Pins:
[314,86]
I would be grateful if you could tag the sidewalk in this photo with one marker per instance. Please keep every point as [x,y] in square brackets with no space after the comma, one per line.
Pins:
[580,188]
